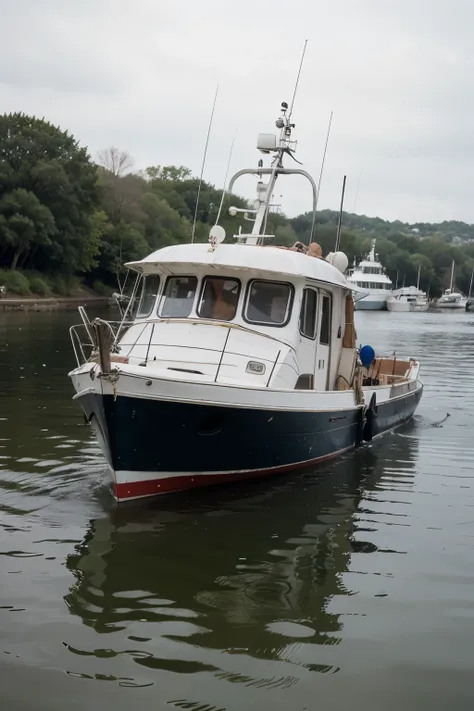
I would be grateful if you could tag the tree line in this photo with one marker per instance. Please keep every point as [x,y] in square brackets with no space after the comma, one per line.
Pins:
[66,218]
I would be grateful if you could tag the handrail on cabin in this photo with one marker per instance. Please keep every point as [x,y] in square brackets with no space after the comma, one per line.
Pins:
[279,170]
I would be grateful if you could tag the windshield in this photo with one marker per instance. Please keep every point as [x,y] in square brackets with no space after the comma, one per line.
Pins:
[150,288]
[269,302]
[178,298]
[219,298]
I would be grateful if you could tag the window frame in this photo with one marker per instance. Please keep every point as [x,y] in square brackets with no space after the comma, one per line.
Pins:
[328,296]
[316,314]
[157,295]
[290,301]
[162,300]
[201,293]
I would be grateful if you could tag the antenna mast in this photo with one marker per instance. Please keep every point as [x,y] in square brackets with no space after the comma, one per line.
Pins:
[324,157]
[297,80]
[225,179]
[203,164]
[339,222]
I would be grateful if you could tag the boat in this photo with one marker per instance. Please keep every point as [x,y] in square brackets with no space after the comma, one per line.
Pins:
[369,275]
[408,299]
[470,303]
[235,360]
[452,299]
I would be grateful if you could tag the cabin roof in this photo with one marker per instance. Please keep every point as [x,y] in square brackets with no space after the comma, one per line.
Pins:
[238,257]
[357,275]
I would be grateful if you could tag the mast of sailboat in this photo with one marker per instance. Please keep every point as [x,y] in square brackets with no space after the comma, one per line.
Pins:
[203,165]
[452,277]
[339,221]
[418,280]
[470,285]
[396,280]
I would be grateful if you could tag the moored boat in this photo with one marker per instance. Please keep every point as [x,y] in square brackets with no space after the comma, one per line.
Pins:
[369,276]
[408,298]
[470,303]
[452,299]
[237,360]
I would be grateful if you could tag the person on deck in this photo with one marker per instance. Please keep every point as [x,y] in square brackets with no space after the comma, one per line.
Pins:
[314,250]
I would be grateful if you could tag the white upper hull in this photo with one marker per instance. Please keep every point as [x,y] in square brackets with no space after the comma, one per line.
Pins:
[373,301]
[400,306]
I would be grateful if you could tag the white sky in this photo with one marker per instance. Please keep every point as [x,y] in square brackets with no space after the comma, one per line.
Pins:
[141,75]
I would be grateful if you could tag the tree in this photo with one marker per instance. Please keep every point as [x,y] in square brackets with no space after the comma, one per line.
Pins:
[115,161]
[51,171]
[174,173]
[163,225]
[24,223]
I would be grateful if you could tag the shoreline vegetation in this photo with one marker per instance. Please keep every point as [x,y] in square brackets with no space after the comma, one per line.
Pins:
[53,303]
[68,223]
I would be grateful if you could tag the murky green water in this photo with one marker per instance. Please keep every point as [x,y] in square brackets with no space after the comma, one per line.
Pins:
[351,586]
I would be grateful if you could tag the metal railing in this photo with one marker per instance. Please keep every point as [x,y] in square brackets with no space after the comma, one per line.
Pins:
[84,341]
[87,347]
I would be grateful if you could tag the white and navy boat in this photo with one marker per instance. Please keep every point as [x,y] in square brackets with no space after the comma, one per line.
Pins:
[452,299]
[369,276]
[239,361]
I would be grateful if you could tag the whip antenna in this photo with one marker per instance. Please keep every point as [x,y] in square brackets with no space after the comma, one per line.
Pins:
[297,80]
[203,164]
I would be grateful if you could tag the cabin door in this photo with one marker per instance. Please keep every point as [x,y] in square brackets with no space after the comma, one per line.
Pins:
[309,320]
[323,346]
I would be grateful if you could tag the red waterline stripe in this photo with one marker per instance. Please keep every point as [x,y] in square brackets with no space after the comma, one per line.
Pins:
[154,487]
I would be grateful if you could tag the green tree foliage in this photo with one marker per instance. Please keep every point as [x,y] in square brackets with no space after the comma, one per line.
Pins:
[48,195]
[63,217]
[25,223]
[401,247]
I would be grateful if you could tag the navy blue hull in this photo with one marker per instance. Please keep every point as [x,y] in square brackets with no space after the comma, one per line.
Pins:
[144,435]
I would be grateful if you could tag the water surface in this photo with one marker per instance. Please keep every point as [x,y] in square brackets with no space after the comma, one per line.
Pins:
[350,585]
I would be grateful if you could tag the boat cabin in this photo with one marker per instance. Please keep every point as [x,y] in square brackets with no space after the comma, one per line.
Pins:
[369,274]
[239,314]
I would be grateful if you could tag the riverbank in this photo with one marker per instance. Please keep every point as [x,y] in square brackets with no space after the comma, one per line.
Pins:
[53,303]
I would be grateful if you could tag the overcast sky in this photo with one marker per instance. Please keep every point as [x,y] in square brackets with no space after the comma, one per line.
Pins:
[141,75]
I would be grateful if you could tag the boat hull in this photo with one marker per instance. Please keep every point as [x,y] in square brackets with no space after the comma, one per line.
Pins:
[399,306]
[372,302]
[455,305]
[158,446]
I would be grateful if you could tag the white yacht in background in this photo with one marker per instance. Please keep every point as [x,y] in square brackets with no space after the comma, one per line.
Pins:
[451,298]
[408,298]
[369,276]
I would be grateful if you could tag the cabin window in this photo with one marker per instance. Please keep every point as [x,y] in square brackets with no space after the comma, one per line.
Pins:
[219,298]
[325,333]
[150,288]
[308,313]
[178,297]
[268,303]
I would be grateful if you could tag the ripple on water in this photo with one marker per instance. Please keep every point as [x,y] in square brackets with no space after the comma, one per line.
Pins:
[258,595]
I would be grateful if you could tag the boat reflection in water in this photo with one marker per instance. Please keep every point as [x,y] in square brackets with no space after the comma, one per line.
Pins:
[244,584]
